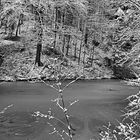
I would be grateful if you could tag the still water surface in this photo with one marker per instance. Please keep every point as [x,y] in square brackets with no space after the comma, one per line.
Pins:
[100,102]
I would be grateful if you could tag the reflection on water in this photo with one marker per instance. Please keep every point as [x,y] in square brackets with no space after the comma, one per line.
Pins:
[100,103]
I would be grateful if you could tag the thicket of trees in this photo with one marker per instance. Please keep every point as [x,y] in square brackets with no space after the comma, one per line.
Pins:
[92,33]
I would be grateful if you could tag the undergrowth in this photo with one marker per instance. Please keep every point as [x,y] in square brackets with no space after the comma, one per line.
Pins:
[129,128]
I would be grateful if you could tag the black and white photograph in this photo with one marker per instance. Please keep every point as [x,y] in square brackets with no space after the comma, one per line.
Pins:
[69,69]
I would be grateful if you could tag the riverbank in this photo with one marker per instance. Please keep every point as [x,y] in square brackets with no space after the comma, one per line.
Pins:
[12,79]
[28,71]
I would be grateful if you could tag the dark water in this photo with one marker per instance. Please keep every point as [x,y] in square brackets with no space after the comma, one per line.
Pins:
[100,102]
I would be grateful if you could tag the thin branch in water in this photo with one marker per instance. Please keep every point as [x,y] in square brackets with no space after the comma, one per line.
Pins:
[6,108]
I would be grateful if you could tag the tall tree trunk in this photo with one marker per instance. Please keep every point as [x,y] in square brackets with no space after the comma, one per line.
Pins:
[5,27]
[83,36]
[55,40]
[64,40]
[55,27]
[75,55]
[68,45]
[63,49]
[85,43]
[84,56]
[79,58]
[38,54]
[86,37]
[92,56]
[20,22]
[39,43]
[17,29]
